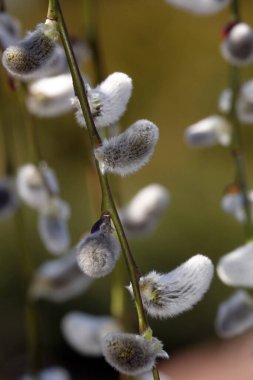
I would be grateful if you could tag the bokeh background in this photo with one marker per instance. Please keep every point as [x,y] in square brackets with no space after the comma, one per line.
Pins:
[178,73]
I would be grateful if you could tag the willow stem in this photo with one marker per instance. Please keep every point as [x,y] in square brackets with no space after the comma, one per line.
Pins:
[237,150]
[30,128]
[107,199]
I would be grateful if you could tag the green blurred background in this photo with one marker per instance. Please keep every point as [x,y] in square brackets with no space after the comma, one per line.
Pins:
[178,73]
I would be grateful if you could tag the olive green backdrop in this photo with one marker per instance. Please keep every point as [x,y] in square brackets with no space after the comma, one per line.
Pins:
[178,73]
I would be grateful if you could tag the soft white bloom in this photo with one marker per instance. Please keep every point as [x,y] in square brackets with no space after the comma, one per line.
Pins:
[84,332]
[32,57]
[212,130]
[59,280]
[34,185]
[8,197]
[149,376]
[244,104]
[130,151]
[132,354]
[49,97]
[200,7]
[143,213]
[9,30]
[235,315]
[50,373]
[170,294]
[108,101]
[237,46]
[236,267]
[232,203]
[53,226]
[98,251]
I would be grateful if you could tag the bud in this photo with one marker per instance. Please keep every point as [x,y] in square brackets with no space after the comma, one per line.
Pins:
[170,294]
[34,185]
[108,101]
[232,203]
[98,252]
[200,7]
[50,373]
[143,213]
[50,97]
[59,280]
[210,131]
[235,315]
[9,30]
[8,197]
[236,267]
[84,332]
[53,228]
[244,103]
[131,150]
[31,57]
[237,47]
[132,354]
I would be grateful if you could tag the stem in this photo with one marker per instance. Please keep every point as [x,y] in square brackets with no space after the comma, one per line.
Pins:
[235,10]
[31,308]
[30,128]
[237,144]
[107,199]
[2,6]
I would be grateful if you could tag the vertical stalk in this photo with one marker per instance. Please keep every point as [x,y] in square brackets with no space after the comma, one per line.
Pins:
[55,13]
[237,150]
[26,262]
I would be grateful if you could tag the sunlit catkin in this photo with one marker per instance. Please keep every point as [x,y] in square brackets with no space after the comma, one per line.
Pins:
[132,354]
[170,294]
[29,58]
[108,101]
[129,151]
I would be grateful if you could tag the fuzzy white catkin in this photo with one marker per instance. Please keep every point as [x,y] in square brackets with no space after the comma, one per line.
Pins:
[232,203]
[236,267]
[235,315]
[237,47]
[50,373]
[130,151]
[212,130]
[59,280]
[50,97]
[84,332]
[9,30]
[97,254]
[8,197]
[200,7]
[31,185]
[244,103]
[53,226]
[31,57]
[108,101]
[143,213]
[170,294]
[131,354]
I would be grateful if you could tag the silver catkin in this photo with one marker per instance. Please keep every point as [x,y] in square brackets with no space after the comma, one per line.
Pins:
[129,151]
[97,254]
[31,55]
[131,354]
